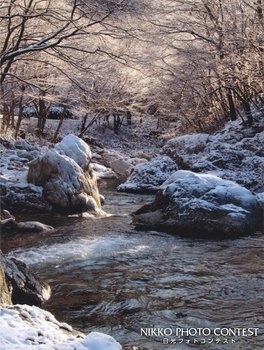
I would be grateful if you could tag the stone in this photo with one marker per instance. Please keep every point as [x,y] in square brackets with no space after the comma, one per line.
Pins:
[149,176]
[202,206]
[68,181]
[10,225]
[33,227]
[5,214]
[120,166]
[24,286]
[23,198]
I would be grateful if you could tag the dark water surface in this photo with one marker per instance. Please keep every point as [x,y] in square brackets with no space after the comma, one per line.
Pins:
[106,276]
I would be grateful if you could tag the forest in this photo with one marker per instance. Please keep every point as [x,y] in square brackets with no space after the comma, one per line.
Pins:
[193,63]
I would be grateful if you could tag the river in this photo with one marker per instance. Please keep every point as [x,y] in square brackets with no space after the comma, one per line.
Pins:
[105,276]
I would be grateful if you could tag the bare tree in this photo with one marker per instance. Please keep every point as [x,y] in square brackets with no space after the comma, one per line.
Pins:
[210,55]
[48,33]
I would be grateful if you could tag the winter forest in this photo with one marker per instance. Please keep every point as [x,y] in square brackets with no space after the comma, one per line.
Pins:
[194,63]
[131,174]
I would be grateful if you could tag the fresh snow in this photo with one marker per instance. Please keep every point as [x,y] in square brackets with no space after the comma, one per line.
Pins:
[209,192]
[24,327]
[184,181]
[75,148]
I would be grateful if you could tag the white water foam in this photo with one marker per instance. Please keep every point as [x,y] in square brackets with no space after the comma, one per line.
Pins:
[83,249]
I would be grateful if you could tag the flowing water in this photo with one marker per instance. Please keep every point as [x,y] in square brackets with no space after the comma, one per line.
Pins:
[106,276]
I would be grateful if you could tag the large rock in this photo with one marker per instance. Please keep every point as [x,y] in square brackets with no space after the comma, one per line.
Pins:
[232,153]
[201,205]
[184,149]
[149,176]
[67,178]
[19,284]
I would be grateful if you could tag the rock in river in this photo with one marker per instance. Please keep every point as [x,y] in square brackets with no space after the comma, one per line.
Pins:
[10,225]
[203,206]
[149,176]
[67,177]
[24,287]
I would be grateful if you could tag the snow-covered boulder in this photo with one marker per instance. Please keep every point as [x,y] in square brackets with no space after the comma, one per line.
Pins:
[67,178]
[194,143]
[28,327]
[234,153]
[75,148]
[201,205]
[22,197]
[185,148]
[149,176]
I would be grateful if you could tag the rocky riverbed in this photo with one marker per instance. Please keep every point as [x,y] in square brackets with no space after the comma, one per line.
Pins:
[204,184]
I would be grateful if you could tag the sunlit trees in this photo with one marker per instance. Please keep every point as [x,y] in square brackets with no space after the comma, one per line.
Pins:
[212,57]
[47,40]
[199,61]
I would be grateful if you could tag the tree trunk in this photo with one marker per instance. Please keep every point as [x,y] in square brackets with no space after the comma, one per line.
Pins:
[248,113]
[59,125]
[83,126]
[20,113]
[259,10]
[232,108]
[6,115]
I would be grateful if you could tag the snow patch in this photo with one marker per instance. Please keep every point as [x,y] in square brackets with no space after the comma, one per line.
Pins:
[76,149]
[24,327]
[213,187]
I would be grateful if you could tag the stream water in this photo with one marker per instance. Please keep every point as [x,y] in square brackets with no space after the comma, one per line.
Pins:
[105,276]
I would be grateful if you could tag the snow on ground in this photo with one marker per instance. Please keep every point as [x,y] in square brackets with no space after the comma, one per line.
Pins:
[13,165]
[132,141]
[15,190]
[24,327]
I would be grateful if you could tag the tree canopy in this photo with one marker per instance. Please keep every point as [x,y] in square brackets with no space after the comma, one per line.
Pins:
[199,61]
